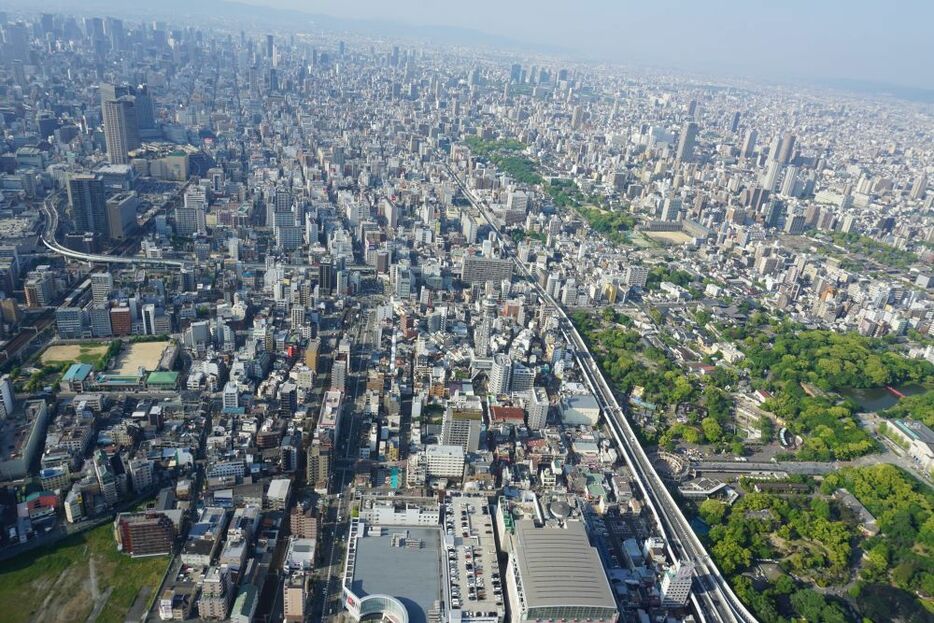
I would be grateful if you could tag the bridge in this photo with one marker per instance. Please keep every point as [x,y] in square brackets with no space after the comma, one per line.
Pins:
[50,211]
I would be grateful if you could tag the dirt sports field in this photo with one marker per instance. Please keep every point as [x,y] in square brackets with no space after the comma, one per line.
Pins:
[668,237]
[83,353]
[143,354]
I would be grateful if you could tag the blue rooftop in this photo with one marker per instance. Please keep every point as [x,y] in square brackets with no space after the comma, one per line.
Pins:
[78,372]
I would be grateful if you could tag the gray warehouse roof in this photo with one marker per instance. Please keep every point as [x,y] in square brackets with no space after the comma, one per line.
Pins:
[559,567]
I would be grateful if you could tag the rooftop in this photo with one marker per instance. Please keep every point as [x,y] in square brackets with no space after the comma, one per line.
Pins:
[410,571]
[559,567]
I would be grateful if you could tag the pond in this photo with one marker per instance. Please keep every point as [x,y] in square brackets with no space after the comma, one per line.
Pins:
[875,399]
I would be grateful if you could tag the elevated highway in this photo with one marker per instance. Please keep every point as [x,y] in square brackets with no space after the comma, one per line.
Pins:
[712,597]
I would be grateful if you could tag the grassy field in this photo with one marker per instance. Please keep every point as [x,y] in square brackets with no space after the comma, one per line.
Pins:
[66,583]
[71,353]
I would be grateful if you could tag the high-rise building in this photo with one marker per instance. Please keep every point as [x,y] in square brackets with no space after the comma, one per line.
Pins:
[217,593]
[463,423]
[339,370]
[99,318]
[685,151]
[790,183]
[144,534]
[786,150]
[444,461]
[141,474]
[106,479]
[749,143]
[919,188]
[189,221]
[145,114]
[537,408]
[231,396]
[676,585]
[478,269]
[7,401]
[121,128]
[149,319]
[734,122]
[142,100]
[102,284]
[327,277]
[121,215]
[121,321]
[311,354]
[88,204]
[500,374]
[70,322]
[772,173]
[318,466]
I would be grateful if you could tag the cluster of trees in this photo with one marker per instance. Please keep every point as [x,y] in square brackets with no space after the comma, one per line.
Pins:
[518,235]
[882,253]
[486,148]
[612,225]
[658,274]
[808,604]
[139,339]
[506,155]
[817,541]
[113,349]
[565,193]
[918,407]
[711,428]
[830,360]
[782,359]
[519,168]
[628,362]
[623,359]
[808,537]
[902,554]
[829,430]
[805,534]
[37,379]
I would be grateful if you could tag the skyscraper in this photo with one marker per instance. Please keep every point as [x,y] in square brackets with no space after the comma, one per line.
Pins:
[771,175]
[685,151]
[145,116]
[142,99]
[88,205]
[121,130]
[786,149]
[749,143]
[734,123]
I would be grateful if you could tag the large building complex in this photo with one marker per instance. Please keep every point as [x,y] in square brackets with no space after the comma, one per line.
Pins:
[554,573]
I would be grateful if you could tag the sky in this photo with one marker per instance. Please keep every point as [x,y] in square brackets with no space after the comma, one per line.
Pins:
[883,41]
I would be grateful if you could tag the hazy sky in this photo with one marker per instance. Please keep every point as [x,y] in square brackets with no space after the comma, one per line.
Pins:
[880,40]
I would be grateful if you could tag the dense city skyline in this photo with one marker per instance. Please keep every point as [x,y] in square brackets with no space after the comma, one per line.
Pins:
[868,45]
[867,40]
[341,320]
